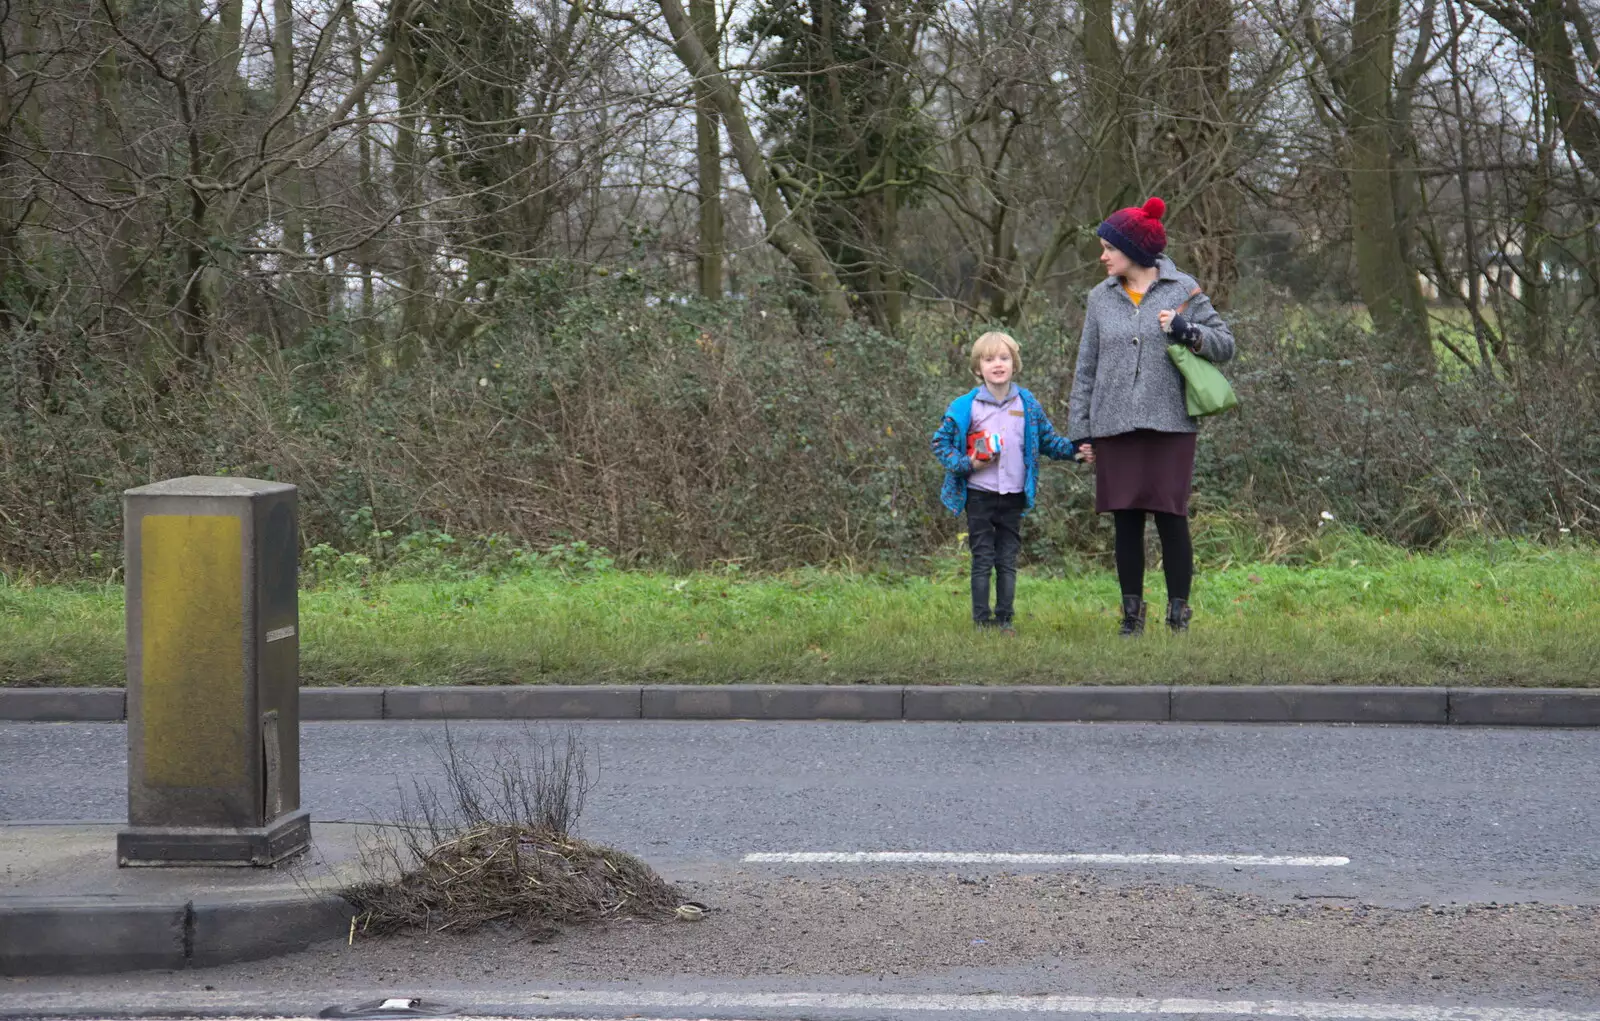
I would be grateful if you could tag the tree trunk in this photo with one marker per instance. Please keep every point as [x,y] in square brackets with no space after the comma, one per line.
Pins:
[124,303]
[370,334]
[1110,148]
[1535,282]
[1199,138]
[1111,126]
[889,32]
[1469,226]
[708,152]
[1386,278]
[219,122]
[784,233]
[407,178]
[18,119]
[889,244]
[288,185]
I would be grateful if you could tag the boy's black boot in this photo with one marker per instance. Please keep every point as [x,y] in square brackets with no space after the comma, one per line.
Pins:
[1178,613]
[1132,617]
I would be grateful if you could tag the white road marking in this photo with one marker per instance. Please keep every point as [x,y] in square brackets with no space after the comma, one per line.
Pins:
[986,1004]
[980,858]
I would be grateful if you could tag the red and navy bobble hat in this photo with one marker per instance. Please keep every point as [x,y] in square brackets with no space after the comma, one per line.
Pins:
[1137,232]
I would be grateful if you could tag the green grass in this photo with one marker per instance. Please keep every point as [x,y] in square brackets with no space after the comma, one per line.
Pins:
[1490,613]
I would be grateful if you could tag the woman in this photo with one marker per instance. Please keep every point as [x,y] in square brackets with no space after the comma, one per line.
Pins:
[1128,407]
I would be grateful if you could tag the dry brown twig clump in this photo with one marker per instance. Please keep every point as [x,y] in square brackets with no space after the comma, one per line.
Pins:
[499,873]
[497,848]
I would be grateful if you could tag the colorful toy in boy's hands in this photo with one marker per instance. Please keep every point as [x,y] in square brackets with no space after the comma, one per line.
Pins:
[983,447]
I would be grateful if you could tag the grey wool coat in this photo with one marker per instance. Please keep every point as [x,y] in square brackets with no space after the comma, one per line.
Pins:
[1124,379]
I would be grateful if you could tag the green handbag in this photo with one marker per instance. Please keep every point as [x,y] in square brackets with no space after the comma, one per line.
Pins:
[1205,388]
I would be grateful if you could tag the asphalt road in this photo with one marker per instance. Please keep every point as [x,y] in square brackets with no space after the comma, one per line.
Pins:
[1425,814]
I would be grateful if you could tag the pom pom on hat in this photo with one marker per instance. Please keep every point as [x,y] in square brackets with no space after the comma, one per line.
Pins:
[1137,231]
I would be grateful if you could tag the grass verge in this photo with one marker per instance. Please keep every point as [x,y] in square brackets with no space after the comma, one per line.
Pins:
[1489,614]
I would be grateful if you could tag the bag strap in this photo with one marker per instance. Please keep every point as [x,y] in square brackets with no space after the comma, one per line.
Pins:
[1180,308]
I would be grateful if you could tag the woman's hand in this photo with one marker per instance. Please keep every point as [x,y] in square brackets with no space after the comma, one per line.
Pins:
[1180,328]
[1086,453]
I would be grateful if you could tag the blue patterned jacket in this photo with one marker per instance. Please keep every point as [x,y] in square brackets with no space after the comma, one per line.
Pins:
[950,447]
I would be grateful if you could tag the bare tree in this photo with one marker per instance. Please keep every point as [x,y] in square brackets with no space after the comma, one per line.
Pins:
[785,232]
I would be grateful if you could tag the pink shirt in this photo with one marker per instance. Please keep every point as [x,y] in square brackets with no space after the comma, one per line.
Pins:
[1008,419]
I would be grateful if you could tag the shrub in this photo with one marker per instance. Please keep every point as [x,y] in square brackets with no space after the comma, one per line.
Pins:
[617,426]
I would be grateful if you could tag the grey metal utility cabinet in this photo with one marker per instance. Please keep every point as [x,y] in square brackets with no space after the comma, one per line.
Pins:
[213,674]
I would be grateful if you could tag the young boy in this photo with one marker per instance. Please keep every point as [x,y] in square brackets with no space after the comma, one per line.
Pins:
[995,486]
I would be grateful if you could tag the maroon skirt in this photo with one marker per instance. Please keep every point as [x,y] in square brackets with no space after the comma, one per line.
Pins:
[1144,470]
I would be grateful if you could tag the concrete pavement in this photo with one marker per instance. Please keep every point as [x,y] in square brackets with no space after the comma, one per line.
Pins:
[66,908]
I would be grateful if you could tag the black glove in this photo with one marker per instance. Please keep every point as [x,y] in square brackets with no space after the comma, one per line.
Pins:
[1185,332]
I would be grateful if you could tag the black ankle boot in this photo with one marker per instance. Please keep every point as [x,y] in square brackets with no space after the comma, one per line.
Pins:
[1178,614]
[1132,617]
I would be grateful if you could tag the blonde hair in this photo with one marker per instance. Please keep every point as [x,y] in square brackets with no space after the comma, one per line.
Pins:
[992,343]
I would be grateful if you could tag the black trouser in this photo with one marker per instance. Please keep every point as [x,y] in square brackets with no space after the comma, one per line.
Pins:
[994,534]
[1177,552]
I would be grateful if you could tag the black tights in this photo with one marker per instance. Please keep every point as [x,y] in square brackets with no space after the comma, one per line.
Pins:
[1177,553]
